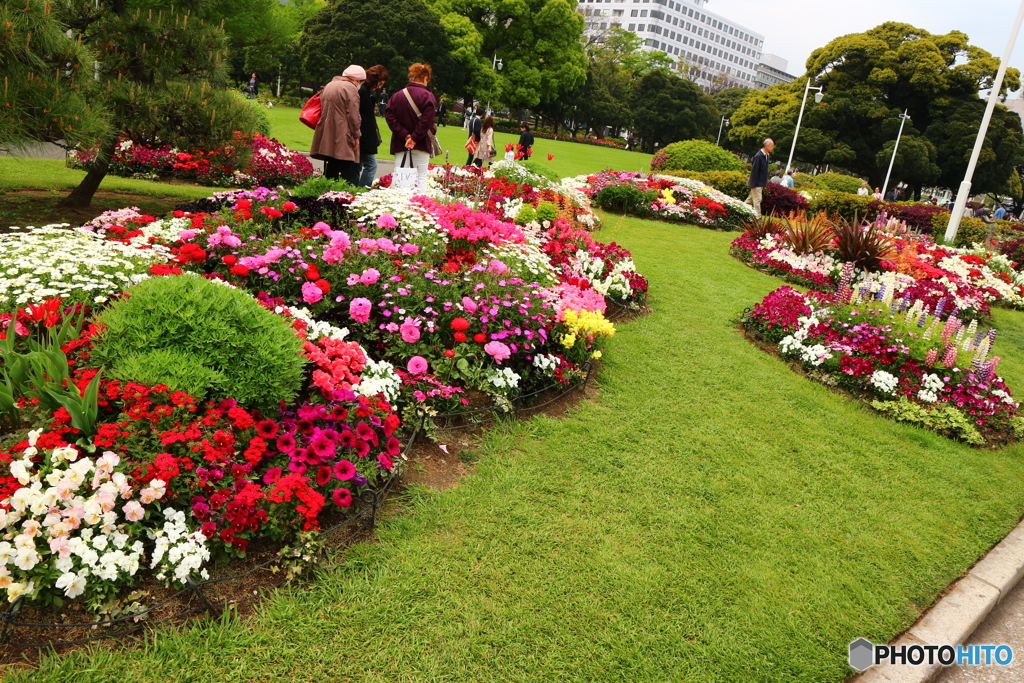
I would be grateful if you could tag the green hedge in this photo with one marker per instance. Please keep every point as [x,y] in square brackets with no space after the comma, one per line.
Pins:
[732,183]
[837,182]
[840,204]
[695,155]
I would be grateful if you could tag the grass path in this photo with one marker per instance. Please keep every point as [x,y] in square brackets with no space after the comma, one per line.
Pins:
[711,517]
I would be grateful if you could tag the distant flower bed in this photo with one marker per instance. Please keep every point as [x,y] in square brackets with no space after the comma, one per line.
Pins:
[248,163]
[235,373]
[679,200]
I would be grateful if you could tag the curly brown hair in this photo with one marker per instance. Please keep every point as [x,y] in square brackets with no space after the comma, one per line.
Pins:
[376,75]
[420,72]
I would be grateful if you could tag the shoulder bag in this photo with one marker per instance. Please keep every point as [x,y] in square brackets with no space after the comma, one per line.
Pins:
[435,146]
[311,111]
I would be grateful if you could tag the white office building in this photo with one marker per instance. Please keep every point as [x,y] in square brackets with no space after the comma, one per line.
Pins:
[705,45]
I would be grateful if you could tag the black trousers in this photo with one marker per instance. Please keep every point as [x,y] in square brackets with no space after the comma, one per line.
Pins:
[346,170]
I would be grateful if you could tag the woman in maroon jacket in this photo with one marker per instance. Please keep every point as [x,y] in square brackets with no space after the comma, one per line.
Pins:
[409,129]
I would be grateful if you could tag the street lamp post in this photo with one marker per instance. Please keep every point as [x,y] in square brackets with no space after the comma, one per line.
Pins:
[965,186]
[497,65]
[818,97]
[904,116]
[725,122]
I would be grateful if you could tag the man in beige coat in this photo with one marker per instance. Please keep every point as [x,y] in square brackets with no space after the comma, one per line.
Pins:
[336,138]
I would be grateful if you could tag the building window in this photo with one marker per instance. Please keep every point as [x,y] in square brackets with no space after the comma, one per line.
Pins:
[643,13]
[641,27]
[633,13]
[632,27]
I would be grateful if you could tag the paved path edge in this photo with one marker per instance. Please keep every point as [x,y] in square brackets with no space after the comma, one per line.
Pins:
[956,615]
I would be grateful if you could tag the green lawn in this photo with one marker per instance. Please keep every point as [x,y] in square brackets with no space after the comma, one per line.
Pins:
[712,516]
[30,190]
[570,158]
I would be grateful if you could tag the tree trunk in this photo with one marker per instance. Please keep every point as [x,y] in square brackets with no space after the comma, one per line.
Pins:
[81,196]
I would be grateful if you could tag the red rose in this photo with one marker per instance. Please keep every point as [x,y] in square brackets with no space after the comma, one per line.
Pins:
[240,270]
[479,337]
[230,260]
[460,324]
[323,285]
[460,337]
[288,206]
[449,353]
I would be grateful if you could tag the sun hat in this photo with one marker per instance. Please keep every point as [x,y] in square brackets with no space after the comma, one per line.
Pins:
[355,72]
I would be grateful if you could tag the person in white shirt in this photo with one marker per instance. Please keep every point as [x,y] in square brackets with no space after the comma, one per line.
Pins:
[864,190]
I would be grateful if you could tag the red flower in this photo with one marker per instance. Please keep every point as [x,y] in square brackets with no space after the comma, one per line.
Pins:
[342,498]
[449,353]
[460,337]
[479,337]
[240,270]
[271,212]
[323,285]
[230,260]
[460,324]
[288,206]
[324,475]
[551,157]
[267,429]
[312,273]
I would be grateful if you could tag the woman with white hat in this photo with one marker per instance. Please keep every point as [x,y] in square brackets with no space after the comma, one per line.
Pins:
[336,138]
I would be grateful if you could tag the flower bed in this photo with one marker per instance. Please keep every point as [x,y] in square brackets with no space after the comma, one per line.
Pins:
[144,459]
[260,161]
[971,279]
[663,197]
[900,359]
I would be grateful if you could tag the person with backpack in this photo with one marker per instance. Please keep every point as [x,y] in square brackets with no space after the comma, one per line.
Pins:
[476,126]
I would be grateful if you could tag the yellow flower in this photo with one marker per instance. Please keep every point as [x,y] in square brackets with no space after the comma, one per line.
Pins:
[667,196]
[595,354]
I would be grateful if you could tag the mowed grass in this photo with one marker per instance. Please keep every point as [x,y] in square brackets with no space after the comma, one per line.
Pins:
[571,158]
[712,517]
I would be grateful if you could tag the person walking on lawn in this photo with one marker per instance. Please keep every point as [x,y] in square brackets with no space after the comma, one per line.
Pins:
[758,179]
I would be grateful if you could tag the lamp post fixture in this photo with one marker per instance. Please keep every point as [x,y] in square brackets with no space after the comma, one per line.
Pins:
[497,65]
[904,116]
[965,186]
[818,97]
[725,122]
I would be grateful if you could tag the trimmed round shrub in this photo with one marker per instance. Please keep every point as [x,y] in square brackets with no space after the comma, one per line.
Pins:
[843,205]
[625,199]
[200,336]
[781,201]
[805,181]
[837,182]
[971,229]
[732,183]
[695,155]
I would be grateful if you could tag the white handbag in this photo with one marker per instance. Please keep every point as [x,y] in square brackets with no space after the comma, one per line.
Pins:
[404,177]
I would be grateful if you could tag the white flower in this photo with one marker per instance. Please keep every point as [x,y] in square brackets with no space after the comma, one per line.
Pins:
[884,381]
[71,583]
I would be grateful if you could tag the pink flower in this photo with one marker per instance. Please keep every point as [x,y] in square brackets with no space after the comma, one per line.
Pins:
[386,222]
[409,249]
[498,350]
[370,276]
[311,293]
[133,511]
[410,331]
[417,365]
[186,235]
[344,470]
[342,498]
[322,228]
[469,304]
[359,309]
[272,474]
[385,462]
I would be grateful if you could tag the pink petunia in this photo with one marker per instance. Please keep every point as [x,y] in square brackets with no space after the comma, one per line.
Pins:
[417,365]
[498,350]
[410,331]
[311,293]
[385,462]
[370,276]
[342,498]
[359,308]
[344,470]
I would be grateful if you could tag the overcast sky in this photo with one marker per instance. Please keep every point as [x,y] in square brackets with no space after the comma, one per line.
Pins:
[794,28]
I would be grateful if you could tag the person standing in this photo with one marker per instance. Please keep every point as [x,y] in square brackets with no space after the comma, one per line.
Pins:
[409,129]
[485,150]
[336,138]
[877,194]
[254,86]
[787,180]
[384,96]
[526,141]
[475,128]
[864,190]
[1000,213]
[758,179]
[441,111]
[777,178]
[369,132]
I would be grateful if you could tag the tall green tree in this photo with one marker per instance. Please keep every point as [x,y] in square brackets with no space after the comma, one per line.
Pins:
[395,33]
[667,109]
[727,102]
[538,42]
[44,78]
[160,80]
[869,79]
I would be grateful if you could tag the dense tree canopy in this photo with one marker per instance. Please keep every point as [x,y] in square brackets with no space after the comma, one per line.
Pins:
[869,79]
[667,108]
[44,77]
[395,33]
[538,42]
